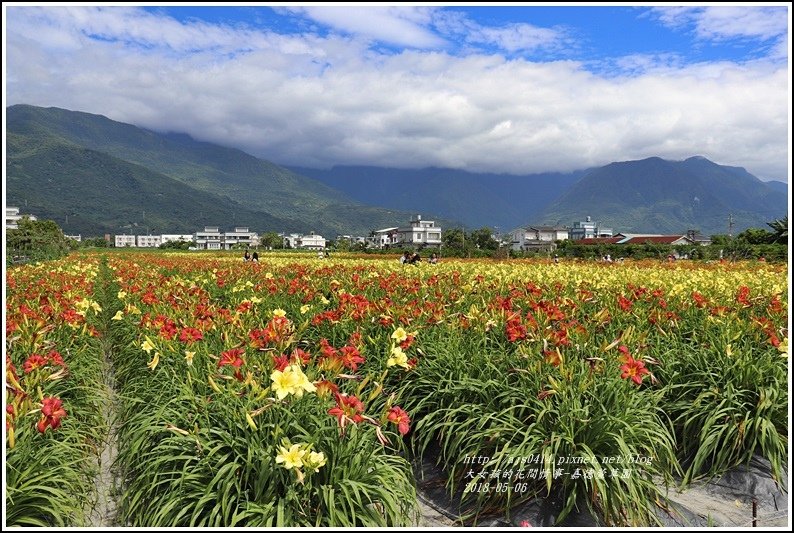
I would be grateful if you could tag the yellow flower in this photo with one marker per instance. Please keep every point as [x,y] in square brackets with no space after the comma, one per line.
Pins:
[121,295]
[189,357]
[153,363]
[302,383]
[292,458]
[315,461]
[399,334]
[255,300]
[398,358]
[283,382]
[118,316]
[783,347]
[305,309]
[132,310]
[291,381]
[96,307]
[147,345]
[279,313]
[269,275]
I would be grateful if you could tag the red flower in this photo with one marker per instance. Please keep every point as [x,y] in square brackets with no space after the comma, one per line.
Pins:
[232,358]
[55,358]
[348,409]
[351,357]
[52,412]
[325,387]
[190,335]
[624,303]
[280,362]
[300,357]
[33,362]
[515,330]
[401,418]
[634,369]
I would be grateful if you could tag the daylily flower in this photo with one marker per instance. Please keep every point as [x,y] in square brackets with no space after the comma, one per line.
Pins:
[280,313]
[52,412]
[399,334]
[634,369]
[118,316]
[315,461]
[292,457]
[398,358]
[189,357]
[147,345]
[401,418]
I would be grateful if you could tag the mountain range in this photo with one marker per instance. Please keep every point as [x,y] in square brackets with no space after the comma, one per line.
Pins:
[94,175]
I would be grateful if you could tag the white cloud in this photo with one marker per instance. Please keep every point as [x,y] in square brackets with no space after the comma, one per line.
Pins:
[727,22]
[318,101]
[405,26]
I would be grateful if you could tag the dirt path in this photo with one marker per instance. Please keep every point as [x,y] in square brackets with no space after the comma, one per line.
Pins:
[103,512]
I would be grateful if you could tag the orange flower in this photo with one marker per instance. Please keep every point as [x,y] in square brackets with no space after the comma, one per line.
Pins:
[52,412]
[634,369]
[401,418]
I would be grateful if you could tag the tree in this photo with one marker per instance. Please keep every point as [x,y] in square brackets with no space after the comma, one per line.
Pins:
[95,242]
[271,239]
[453,239]
[755,236]
[780,228]
[36,240]
[483,239]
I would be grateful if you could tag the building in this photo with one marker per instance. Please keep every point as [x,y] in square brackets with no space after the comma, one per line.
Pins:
[149,241]
[383,238]
[539,238]
[240,235]
[420,233]
[13,217]
[209,239]
[77,238]
[305,242]
[175,237]
[124,241]
[588,229]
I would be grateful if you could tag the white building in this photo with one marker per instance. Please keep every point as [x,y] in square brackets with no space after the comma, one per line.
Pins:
[240,235]
[383,238]
[209,239]
[537,237]
[306,242]
[125,241]
[587,229]
[174,237]
[13,217]
[149,241]
[77,238]
[420,233]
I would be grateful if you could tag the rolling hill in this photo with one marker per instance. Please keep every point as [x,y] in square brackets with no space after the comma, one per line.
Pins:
[92,193]
[658,196]
[255,184]
[477,199]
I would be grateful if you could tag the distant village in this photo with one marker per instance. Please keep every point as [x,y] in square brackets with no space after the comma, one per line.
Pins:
[418,233]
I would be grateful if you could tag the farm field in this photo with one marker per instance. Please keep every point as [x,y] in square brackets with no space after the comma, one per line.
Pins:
[303,392]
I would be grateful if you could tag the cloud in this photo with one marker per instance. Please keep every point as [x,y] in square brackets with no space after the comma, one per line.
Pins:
[319,100]
[727,22]
[404,26]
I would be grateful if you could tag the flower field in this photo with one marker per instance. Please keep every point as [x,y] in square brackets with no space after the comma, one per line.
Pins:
[299,391]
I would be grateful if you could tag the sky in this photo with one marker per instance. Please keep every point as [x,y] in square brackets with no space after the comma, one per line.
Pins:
[513,89]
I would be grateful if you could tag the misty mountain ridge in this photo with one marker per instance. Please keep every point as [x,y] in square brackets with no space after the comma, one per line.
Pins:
[60,161]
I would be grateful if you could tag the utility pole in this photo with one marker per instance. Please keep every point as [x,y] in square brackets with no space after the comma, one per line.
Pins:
[730,225]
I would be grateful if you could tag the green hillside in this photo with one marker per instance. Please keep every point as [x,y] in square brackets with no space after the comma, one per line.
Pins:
[92,193]
[658,196]
[255,183]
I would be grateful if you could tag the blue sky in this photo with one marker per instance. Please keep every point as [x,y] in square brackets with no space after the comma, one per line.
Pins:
[515,89]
